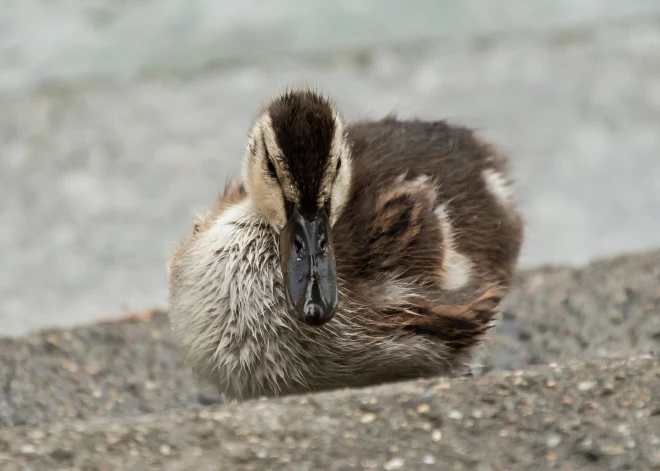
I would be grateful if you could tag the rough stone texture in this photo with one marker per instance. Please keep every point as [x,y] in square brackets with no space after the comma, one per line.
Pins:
[97,181]
[116,369]
[609,308]
[602,416]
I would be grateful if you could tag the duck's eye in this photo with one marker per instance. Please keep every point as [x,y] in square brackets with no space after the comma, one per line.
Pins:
[298,244]
[271,169]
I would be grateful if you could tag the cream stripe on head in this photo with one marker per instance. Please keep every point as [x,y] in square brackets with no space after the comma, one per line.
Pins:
[267,193]
[339,183]
[291,120]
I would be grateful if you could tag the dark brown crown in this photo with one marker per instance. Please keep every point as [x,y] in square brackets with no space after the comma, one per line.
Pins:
[304,126]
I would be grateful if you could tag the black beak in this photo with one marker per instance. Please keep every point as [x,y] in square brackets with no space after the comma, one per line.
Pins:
[308,267]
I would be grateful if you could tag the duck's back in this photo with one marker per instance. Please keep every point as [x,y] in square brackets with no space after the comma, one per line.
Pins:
[430,203]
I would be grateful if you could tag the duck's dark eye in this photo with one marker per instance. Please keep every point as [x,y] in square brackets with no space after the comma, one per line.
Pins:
[298,244]
[271,169]
[338,165]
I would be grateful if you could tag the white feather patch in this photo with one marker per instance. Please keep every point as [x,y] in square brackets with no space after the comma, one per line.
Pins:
[499,186]
[457,268]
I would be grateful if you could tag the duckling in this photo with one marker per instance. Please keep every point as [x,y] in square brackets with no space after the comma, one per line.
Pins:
[346,254]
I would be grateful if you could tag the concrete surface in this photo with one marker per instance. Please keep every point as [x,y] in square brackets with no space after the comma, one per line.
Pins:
[601,416]
[610,308]
[98,181]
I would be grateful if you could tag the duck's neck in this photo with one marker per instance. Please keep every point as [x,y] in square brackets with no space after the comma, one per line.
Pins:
[233,305]
[245,250]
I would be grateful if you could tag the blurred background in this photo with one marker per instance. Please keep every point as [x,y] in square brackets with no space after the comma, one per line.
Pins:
[119,120]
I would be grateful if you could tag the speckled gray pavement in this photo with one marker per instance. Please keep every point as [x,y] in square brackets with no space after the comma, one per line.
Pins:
[602,416]
[116,395]
[98,179]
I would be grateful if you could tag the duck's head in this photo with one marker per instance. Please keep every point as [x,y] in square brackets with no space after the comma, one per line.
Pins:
[297,170]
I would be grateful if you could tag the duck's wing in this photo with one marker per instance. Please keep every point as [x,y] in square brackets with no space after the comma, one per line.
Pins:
[459,326]
[431,198]
[403,237]
[432,210]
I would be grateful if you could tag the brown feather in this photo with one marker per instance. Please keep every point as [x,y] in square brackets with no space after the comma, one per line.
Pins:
[457,326]
[453,159]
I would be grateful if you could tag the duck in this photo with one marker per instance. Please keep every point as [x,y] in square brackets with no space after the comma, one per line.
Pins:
[345,254]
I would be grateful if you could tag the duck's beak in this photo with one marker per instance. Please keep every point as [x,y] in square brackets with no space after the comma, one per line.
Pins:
[308,267]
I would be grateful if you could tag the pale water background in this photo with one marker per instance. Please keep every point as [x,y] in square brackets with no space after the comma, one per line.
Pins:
[119,120]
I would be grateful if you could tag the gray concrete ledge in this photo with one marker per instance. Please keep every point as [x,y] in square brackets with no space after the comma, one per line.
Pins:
[604,415]
[610,308]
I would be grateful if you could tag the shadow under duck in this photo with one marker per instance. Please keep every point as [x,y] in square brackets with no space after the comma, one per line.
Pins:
[346,255]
